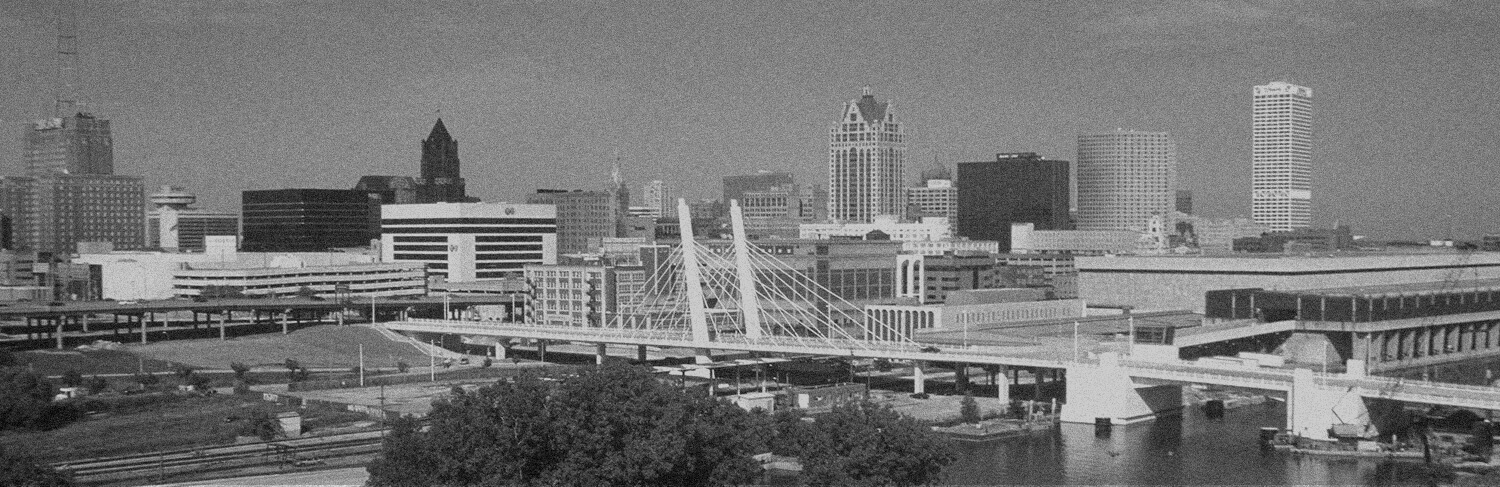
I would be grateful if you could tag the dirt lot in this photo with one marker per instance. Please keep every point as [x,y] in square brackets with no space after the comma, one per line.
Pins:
[319,346]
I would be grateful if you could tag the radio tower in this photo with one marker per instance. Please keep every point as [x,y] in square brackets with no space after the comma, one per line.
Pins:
[65,99]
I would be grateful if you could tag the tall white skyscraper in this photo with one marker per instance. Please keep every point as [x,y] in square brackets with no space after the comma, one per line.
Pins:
[1124,178]
[866,162]
[655,195]
[1281,154]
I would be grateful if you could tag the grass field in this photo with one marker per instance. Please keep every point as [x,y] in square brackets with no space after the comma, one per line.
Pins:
[55,362]
[319,346]
[186,423]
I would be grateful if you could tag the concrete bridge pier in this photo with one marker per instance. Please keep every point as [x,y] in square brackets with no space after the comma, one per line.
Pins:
[918,382]
[1107,392]
[640,353]
[1002,387]
[601,352]
[1313,408]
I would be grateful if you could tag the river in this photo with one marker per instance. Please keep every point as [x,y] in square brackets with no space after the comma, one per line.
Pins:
[1183,450]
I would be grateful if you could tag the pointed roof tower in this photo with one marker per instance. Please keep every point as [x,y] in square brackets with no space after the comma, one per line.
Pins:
[439,131]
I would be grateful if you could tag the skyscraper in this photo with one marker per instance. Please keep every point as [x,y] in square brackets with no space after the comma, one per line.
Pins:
[1014,188]
[1281,156]
[581,216]
[655,195]
[1125,177]
[306,220]
[440,181]
[70,193]
[866,162]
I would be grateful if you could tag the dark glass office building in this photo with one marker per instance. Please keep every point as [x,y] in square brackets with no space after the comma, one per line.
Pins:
[306,220]
[1013,188]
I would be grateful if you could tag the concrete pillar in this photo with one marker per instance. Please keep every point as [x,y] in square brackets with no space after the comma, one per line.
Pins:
[222,319]
[1360,344]
[85,321]
[1424,341]
[1002,388]
[1107,391]
[499,352]
[918,382]
[59,333]
[1312,408]
[640,353]
[142,319]
[961,378]
[1015,376]
[601,351]
[703,356]
[284,325]
[541,350]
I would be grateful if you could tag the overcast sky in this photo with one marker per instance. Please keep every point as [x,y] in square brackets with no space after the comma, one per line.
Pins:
[223,96]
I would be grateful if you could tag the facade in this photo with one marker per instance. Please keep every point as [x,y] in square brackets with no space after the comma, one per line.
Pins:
[79,144]
[949,246]
[859,271]
[581,216]
[656,198]
[363,280]
[148,275]
[389,190]
[1180,282]
[70,193]
[938,197]
[1281,156]
[470,241]
[1299,240]
[1055,271]
[440,180]
[779,210]
[306,220]
[866,162]
[945,274]
[1013,188]
[583,295]
[930,228]
[1125,177]
[909,320]
[1027,240]
[38,277]
[1218,236]
[175,226]
[736,186]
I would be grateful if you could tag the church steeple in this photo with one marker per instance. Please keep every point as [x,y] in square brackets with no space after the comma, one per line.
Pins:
[440,178]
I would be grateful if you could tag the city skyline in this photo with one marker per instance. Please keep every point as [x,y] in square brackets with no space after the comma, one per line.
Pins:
[275,96]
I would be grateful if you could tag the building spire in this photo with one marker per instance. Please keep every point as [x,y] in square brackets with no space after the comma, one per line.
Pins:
[614,172]
[65,100]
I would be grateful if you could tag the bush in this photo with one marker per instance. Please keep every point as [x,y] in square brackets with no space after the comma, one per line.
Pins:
[402,366]
[97,384]
[24,398]
[487,363]
[241,387]
[239,369]
[183,371]
[22,469]
[199,382]
[261,425]
[72,378]
[146,380]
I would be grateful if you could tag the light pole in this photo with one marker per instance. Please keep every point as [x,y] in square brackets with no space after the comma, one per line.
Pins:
[372,309]
[1131,347]
[431,361]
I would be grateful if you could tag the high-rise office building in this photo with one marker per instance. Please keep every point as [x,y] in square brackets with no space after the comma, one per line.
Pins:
[77,144]
[1125,177]
[581,216]
[440,181]
[70,193]
[736,186]
[657,197]
[866,162]
[471,241]
[305,220]
[1281,156]
[1014,188]
[1185,201]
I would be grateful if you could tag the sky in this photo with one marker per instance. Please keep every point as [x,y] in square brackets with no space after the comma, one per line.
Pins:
[224,96]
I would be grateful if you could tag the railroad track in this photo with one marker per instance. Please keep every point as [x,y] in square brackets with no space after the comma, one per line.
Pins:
[167,464]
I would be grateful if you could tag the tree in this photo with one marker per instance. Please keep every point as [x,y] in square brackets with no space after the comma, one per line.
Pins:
[146,380]
[72,378]
[865,444]
[261,424]
[97,384]
[24,397]
[23,470]
[402,366]
[240,371]
[8,359]
[616,425]
[968,409]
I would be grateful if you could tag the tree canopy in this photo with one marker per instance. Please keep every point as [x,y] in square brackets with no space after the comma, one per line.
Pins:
[20,469]
[613,426]
[863,444]
[24,398]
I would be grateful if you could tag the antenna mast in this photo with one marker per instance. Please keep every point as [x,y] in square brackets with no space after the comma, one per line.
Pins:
[65,99]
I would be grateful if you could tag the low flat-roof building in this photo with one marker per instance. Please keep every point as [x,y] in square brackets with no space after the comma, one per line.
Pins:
[470,241]
[1180,282]
[358,280]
